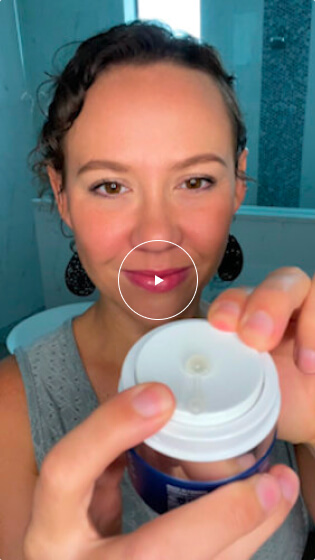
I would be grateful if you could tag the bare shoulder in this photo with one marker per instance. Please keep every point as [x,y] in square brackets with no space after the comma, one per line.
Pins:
[18,470]
[306,464]
[10,375]
[15,429]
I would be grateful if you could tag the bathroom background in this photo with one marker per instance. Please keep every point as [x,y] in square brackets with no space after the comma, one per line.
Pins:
[268,44]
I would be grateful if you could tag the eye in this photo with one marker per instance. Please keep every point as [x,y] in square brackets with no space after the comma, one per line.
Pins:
[199,183]
[110,188]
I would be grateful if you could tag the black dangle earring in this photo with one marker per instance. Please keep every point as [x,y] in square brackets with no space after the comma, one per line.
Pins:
[76,278]
[232,262]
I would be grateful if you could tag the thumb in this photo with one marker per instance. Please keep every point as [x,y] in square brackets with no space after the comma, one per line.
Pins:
[213,525]
[70,469]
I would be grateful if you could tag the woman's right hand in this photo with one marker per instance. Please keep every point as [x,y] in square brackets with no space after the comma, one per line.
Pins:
[231,522]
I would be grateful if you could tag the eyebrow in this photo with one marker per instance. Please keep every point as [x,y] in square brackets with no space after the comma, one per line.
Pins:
[116,166]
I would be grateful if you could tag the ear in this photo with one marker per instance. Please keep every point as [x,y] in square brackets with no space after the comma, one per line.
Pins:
[240,184]
[60,196]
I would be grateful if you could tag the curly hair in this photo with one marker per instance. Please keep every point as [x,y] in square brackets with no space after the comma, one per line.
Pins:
[137,43]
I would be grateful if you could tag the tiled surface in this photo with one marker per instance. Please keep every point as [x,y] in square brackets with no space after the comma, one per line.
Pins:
[284,86]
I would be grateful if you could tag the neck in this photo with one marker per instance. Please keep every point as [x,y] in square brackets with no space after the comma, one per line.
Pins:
[123,329]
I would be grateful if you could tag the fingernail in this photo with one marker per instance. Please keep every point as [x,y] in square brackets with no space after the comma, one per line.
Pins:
[152,401]
[289,485]
[260,322]
[305,359]
[224,314]
[268,492]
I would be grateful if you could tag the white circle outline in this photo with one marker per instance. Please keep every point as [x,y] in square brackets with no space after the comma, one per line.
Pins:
[152,241]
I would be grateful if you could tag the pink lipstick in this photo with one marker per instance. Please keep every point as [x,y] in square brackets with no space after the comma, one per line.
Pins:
[158,281]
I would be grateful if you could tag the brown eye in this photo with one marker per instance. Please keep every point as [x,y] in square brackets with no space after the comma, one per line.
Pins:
[199,183]
[112,188]
[194,183]
[108,188]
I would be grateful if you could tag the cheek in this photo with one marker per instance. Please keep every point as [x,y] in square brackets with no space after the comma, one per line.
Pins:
[209,231]
[99,238]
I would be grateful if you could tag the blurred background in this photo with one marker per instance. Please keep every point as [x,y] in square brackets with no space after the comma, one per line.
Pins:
[269,45]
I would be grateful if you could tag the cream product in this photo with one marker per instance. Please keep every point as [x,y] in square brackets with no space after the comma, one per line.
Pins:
[227,406]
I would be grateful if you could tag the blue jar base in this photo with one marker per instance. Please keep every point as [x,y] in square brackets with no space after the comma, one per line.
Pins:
[162,492]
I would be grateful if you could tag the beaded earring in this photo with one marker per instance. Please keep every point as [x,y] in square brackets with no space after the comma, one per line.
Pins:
[77,280]
[232,262]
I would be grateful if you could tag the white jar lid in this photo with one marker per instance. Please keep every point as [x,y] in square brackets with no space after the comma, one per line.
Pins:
[227,394]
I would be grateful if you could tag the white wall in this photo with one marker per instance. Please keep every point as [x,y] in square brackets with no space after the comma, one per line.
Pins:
[235,28]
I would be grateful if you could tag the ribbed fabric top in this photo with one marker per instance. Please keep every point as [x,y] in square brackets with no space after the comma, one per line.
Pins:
[60,396]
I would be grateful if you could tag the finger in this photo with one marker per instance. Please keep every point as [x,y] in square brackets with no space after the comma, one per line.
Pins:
[269,308]
[245,547]
[106,505]
[305,337]
[225,311]
[210,524]
[71,468]
[217,470]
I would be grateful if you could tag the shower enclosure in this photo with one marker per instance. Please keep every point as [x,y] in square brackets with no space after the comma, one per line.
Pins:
[270,46]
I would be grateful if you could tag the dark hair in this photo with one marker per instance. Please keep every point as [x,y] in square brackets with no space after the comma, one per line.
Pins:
[138,42]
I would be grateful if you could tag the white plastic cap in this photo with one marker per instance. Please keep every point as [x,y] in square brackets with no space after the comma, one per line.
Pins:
[227,394]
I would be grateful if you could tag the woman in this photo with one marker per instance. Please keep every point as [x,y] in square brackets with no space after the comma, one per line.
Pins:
[152,106]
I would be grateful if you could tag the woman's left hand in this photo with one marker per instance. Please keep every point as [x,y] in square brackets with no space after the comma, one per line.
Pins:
[278,316]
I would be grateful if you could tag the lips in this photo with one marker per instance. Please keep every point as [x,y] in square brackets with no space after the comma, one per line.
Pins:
[160,273]
[145,279]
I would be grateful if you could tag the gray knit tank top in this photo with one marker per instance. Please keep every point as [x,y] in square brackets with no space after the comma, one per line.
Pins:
[60,396]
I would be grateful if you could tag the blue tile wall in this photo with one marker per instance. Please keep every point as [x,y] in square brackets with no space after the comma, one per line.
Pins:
[283,97]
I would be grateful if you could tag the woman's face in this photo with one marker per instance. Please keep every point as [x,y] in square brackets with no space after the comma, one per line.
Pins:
[148,121]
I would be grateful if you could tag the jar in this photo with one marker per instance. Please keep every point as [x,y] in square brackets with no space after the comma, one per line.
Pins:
[227,405]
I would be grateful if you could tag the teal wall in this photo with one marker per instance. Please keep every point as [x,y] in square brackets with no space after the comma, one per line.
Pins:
[46,26]
[20,287]
[235,28]
[276,90]
[307,192]
[30,33]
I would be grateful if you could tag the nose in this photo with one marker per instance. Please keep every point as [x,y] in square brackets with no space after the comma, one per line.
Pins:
[156,221]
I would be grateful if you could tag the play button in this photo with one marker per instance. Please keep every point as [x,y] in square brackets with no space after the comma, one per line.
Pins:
[157,280]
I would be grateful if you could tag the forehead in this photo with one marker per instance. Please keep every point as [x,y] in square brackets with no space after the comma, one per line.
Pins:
[159,106]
